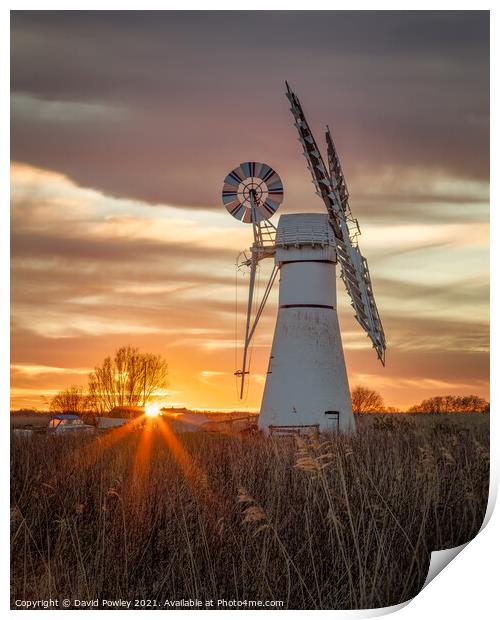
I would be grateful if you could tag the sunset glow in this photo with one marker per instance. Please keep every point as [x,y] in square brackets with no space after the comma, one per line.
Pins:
[153,410]
[119,236]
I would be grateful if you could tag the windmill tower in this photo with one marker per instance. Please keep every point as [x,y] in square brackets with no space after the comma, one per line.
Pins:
[306,385]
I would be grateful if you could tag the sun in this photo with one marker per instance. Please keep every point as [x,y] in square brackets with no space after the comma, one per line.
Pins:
[152,410]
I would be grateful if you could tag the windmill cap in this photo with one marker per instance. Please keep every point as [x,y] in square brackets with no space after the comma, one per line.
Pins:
[304,229]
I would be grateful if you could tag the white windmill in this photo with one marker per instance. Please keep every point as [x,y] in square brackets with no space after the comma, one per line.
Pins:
[306,385]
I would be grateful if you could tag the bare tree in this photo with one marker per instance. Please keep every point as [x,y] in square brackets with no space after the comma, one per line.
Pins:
[129,379]
[365,400]
[71,400]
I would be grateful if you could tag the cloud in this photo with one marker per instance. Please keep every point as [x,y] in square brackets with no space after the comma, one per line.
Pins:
[110,268]
[28,108]
[422,383]
[34,370]
[207,377]
[419,195]
[172,111]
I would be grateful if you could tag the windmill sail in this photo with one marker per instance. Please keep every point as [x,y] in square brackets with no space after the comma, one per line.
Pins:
[331,187]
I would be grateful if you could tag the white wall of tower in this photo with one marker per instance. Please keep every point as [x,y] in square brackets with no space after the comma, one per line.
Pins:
[307,375]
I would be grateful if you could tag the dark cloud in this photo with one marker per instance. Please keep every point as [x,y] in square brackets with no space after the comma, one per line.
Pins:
[191,94]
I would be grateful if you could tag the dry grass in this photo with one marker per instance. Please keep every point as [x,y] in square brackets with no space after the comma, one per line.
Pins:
[335,523]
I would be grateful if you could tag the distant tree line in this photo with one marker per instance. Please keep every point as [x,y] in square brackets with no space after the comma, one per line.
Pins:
[366,400]
[129,379]
[452,404]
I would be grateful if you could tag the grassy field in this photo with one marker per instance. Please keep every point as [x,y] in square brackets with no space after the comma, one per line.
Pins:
[335,523]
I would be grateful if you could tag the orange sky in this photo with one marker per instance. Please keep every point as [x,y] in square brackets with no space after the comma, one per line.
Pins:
[119,236]
[96,273]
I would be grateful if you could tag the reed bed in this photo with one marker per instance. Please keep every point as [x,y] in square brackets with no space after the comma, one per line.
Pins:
[327,523]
